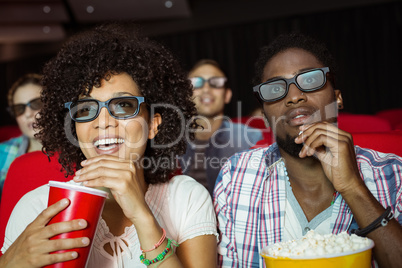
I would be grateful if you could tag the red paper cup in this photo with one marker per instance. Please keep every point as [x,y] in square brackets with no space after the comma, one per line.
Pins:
[85,203]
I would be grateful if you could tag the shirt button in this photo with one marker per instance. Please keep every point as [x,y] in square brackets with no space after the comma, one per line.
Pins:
[306,229]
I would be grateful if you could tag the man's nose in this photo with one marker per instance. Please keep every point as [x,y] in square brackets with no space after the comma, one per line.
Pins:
[295,95]
[206,86]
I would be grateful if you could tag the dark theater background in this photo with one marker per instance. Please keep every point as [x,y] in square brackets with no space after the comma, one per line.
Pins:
[364,35]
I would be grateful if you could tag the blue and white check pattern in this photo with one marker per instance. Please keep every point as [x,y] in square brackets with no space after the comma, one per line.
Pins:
[250,197]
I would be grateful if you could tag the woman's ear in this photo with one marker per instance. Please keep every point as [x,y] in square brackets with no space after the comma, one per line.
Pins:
[153,126]
[339,99]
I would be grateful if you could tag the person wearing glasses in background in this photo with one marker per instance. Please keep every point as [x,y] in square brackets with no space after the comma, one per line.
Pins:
[114,108]
[217,138]
[313,177]
[23,104]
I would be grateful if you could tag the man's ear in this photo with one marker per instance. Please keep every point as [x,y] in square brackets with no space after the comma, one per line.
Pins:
[228,95]
[339,99]
[153,126]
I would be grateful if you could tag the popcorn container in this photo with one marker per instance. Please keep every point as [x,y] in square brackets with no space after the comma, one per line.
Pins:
[85,203]
[359,258]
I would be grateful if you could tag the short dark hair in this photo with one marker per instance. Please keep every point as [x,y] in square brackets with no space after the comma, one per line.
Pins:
[295,40]
[97,54]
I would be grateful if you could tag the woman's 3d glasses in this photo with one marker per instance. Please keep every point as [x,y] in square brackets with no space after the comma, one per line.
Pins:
[86,110]
[19,109]
[214,82]
[277,88]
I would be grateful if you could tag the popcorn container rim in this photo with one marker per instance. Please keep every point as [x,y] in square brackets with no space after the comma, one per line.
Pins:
[333,255]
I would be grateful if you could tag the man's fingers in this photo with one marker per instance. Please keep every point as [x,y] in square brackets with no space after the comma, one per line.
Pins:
[320,144]
[320,129]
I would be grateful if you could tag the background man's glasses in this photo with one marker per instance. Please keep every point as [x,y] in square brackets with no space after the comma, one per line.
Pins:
[19,109]
[277,88]
[214,82]
[86,110]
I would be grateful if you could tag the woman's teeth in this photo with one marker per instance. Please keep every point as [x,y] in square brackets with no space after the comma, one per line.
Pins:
[108,142]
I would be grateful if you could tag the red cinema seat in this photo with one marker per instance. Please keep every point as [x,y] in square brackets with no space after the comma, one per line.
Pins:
[252,121]
[355,123]
[8,132]
[394,117]
[26,173]
[385,142]
[398,126]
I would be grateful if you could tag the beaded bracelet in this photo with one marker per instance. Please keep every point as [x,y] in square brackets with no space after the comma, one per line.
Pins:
[170,254]
[157,244]
[160,256]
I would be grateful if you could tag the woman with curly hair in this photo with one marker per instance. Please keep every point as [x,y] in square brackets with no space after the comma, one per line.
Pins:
[115,110]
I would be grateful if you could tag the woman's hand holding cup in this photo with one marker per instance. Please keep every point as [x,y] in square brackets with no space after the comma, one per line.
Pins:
[32,247]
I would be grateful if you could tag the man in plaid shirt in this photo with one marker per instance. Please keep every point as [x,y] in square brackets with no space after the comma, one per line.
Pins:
[313,177]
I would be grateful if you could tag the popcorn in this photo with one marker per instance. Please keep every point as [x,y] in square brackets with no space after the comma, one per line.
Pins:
[315,244]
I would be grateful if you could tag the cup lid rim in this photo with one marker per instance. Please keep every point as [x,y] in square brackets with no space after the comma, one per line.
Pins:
[84,189]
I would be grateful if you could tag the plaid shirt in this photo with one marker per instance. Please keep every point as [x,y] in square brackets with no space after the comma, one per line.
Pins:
[9,150]
[250,197]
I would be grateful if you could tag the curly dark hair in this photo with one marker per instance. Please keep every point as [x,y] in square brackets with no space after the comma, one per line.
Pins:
[295,40]
[97,54]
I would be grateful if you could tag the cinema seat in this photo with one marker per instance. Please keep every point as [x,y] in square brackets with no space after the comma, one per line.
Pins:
[8,132]
[355,123]
[252,121]
[26,173]
[394,117]
[385,142]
